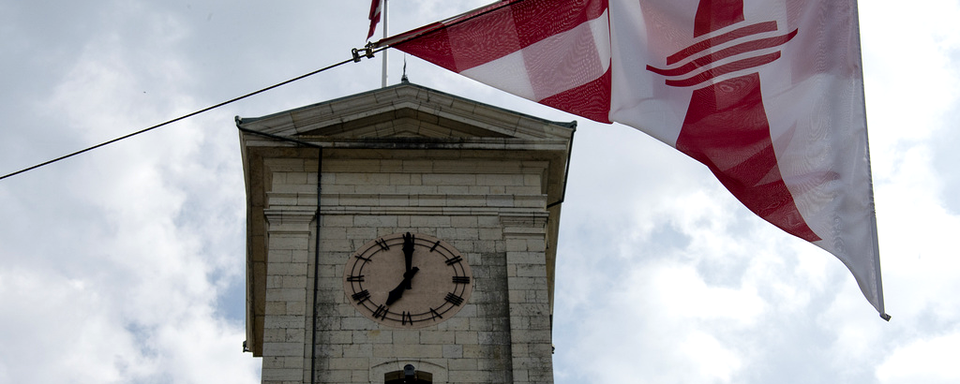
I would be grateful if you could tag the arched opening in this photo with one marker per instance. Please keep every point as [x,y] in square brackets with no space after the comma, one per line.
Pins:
[409,375]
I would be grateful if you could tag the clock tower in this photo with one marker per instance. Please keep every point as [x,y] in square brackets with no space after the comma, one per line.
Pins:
[402,235]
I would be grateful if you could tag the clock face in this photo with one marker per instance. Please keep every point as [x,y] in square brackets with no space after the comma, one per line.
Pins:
[407,280]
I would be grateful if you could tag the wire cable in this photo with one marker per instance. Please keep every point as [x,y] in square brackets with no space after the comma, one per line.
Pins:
[197,112]
[368,52]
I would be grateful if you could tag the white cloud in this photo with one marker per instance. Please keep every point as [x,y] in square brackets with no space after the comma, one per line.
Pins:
[117,263]
[928,361]
[124,286]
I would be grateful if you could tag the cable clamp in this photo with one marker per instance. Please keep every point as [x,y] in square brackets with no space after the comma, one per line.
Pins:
[359,53]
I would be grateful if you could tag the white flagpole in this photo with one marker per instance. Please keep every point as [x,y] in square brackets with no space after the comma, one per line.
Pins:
[383,14]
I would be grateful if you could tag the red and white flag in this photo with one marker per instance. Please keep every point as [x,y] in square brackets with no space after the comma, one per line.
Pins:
[374,17]
[768,94]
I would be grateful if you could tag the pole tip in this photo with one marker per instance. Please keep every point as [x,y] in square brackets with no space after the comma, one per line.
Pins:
[885,316]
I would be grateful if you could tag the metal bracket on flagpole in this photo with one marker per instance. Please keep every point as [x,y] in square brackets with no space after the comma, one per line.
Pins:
[359,53]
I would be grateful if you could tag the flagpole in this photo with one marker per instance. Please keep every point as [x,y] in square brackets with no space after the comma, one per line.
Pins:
[383,13]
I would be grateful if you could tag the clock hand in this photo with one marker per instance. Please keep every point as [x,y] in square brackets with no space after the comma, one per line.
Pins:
[408,253]
[397,292]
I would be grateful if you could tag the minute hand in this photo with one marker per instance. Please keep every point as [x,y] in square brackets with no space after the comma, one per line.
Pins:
[397,292]
[408,240]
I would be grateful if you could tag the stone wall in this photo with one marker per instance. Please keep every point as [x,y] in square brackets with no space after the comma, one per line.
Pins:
[491,208]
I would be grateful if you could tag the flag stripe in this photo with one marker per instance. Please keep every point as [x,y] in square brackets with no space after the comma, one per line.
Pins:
[726,129]
[502,30]
[735,66]
[509,48]
[704,61]
[752,29]
[715,14]
[539,19]
[374,17]
[552,65]
[590,100]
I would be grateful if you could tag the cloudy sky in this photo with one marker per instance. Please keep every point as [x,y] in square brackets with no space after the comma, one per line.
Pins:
[125,265]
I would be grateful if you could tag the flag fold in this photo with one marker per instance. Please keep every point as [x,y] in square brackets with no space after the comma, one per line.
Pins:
[374,17]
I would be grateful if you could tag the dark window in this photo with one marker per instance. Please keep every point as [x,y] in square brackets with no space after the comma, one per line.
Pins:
[399,377]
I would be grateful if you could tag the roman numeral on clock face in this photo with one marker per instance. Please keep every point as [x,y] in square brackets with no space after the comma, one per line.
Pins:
[406,318]
[361,296]
[358,278]
[383,244]
[453,299]
[461,279]
[381,312]
[454,260]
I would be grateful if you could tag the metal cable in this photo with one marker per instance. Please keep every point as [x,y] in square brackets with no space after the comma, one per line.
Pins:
[168,122]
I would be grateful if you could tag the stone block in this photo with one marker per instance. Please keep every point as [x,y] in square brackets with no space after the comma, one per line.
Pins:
[384,351]
[299,281]
[417,190]
[338,376]
[330,222]
[467,337]
[531,270]
[528,258]
[352,363]
[361,232]
[500,179]
[453,189]
[372,336]
[283,349]
[339,337]
[293,335]
[418,351]
[431,201]
[286,295]
[328,351]
[397,200]
[361,376]
[406,337]
[283,321]
[339,245]
[274,281]
[534,180]
[295,308]
[417,166]
[278,165]
[472,377]
[516,245]
[287,269]
[437,337]
[490,233]
[291,242]
[375,221]
[358,350]
[281,374]
[276,335]
[452,351]
[448,179]
[522,191]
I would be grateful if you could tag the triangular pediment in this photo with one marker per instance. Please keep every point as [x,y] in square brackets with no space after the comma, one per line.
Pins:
[405,111]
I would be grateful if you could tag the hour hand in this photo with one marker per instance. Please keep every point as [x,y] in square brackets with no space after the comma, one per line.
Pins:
[397,292]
